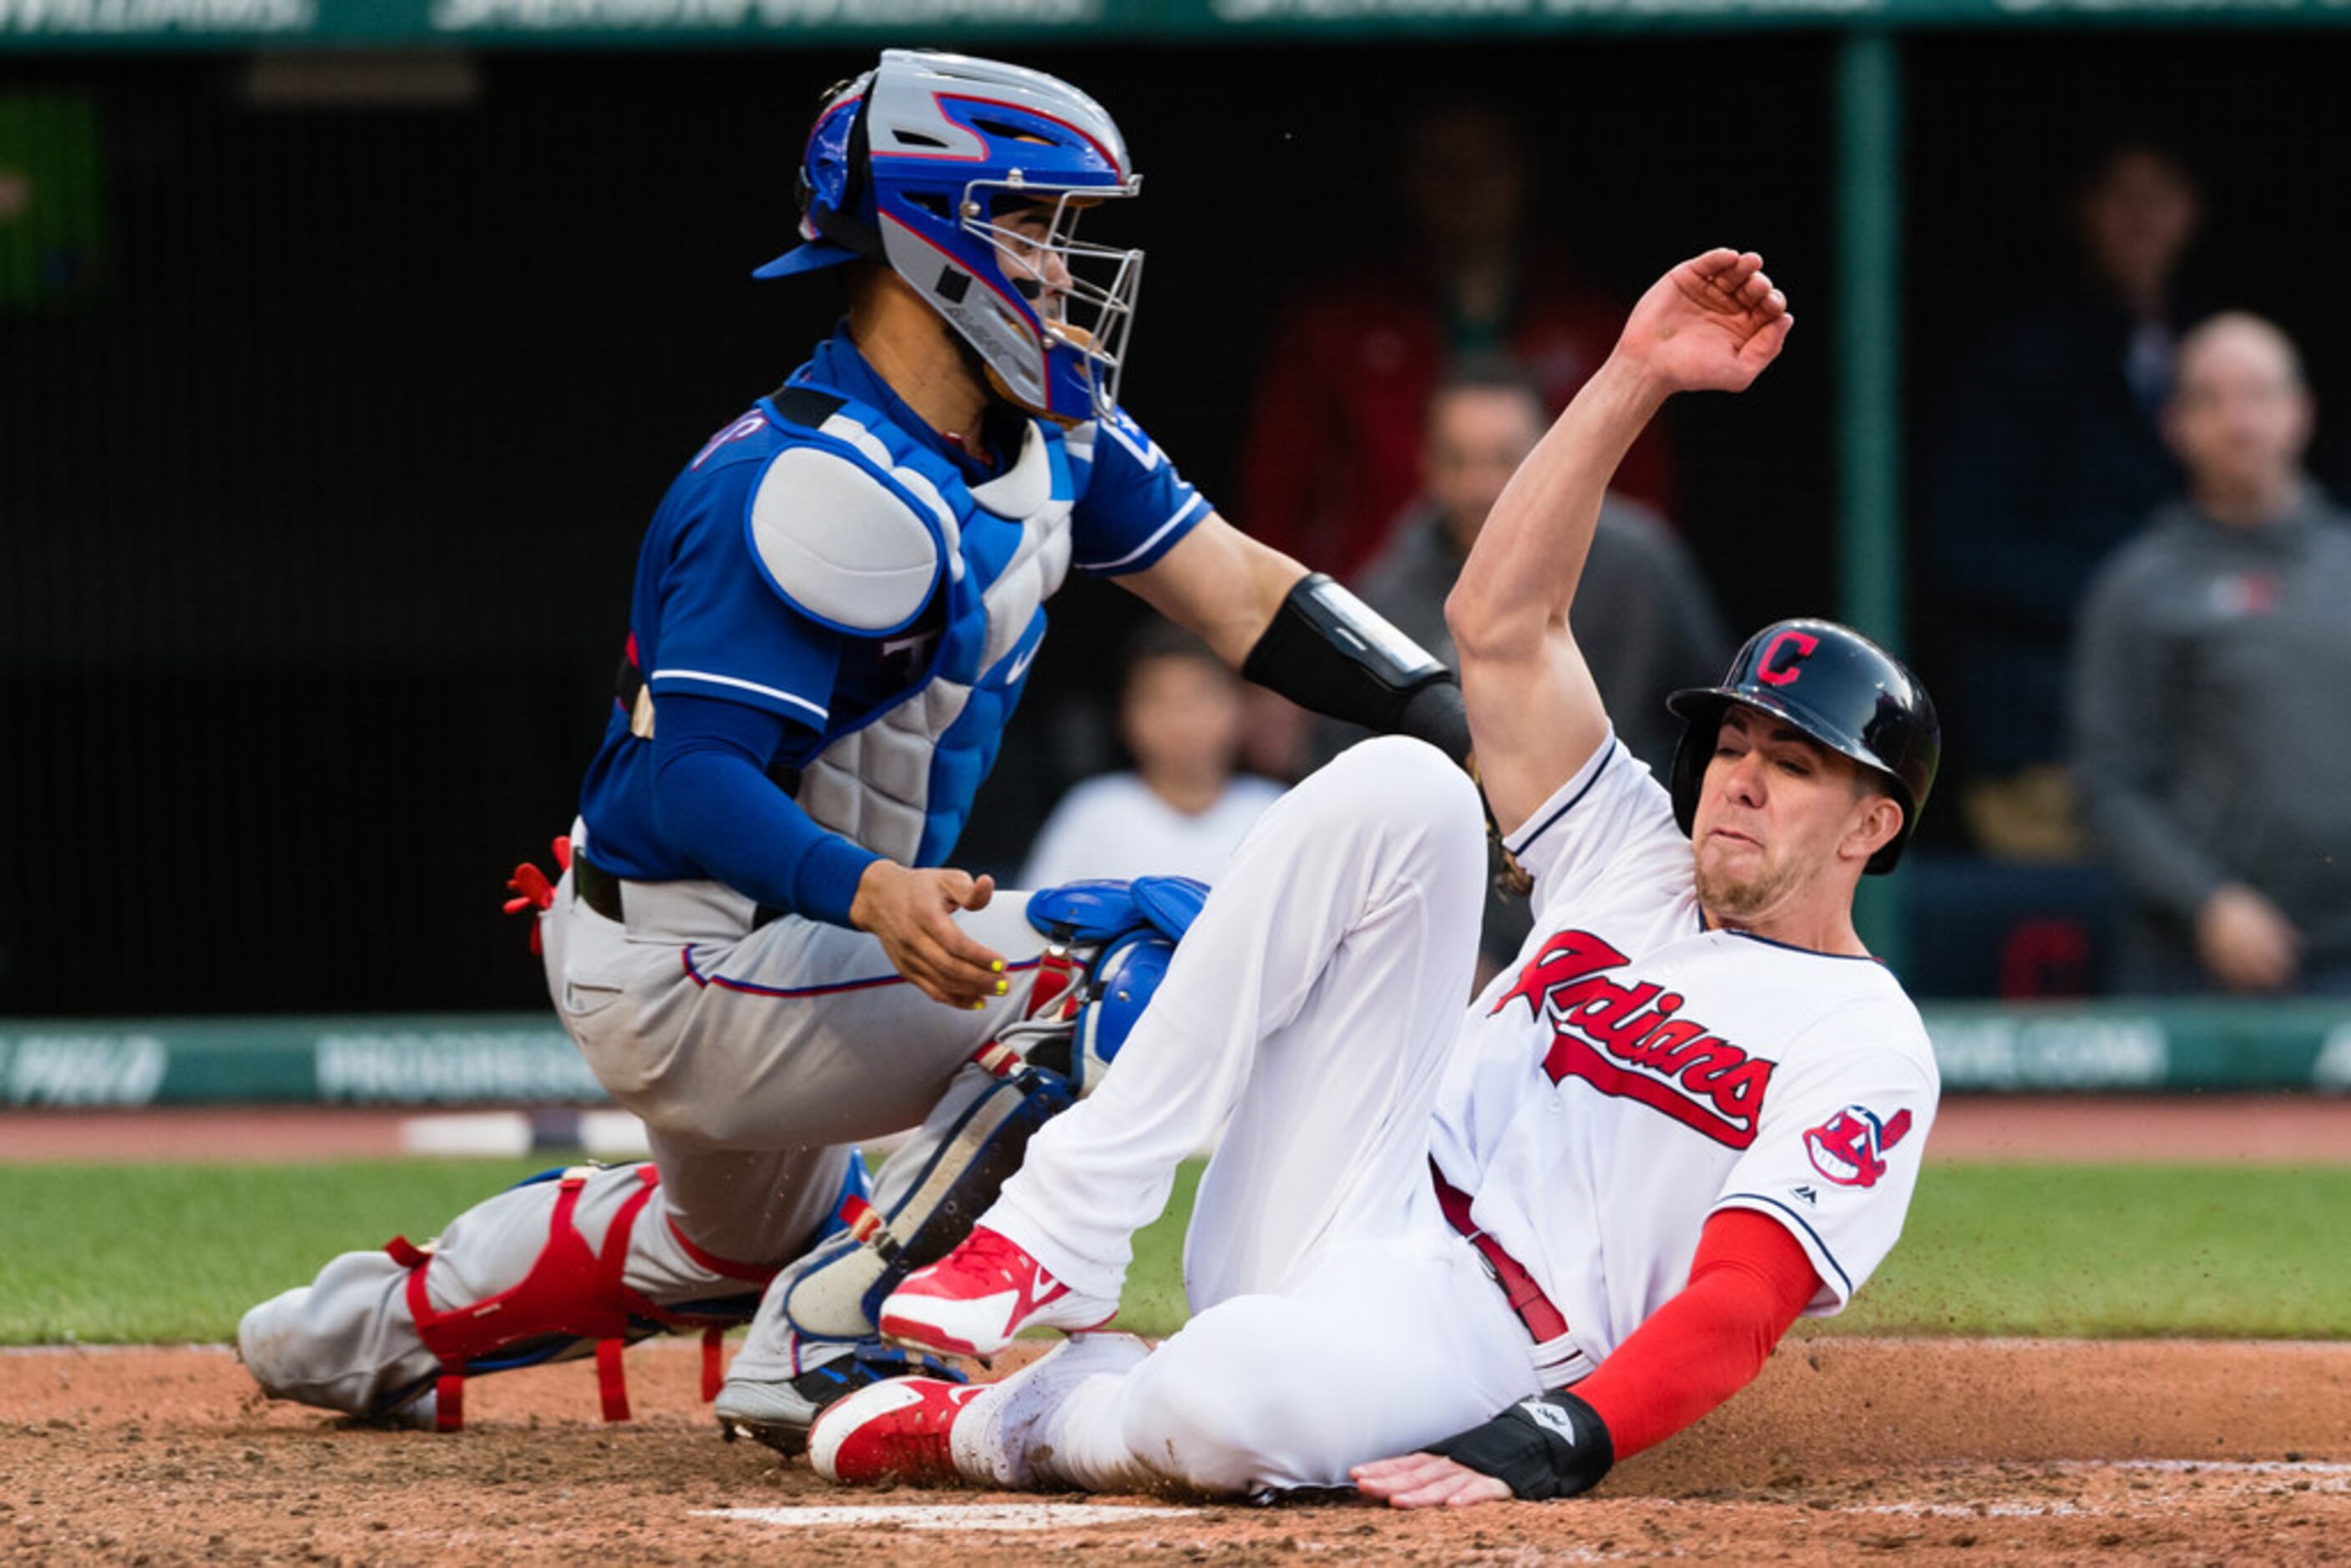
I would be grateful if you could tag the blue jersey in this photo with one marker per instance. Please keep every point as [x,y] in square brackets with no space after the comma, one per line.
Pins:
[829,560]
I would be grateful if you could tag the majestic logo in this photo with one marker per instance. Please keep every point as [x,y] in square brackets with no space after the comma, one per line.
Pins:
[1783,661]
[749,424]
[1625,1041]
[1849,1148]
[1550,1417]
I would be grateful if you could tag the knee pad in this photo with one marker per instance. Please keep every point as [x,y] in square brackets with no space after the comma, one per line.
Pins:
[571,1302]
[928,1197]
[1115,940]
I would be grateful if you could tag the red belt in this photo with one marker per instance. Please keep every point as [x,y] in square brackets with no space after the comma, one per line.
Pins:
[1543,1321]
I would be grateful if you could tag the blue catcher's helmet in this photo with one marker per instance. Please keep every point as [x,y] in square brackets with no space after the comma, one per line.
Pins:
[914,163]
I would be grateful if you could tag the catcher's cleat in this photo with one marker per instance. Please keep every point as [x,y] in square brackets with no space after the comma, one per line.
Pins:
[973,1301]
[925,1430]
[779,1414]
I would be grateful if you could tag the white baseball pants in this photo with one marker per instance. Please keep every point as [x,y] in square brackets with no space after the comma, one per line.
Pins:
[1338,1317]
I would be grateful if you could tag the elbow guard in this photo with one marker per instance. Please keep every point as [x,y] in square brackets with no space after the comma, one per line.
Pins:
[1327,650]
[1551,1445]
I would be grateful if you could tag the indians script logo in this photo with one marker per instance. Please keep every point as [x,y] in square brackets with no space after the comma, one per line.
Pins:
[1625,1041]
[1849,1148]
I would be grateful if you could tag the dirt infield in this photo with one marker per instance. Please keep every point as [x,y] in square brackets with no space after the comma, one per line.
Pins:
[1922,1450]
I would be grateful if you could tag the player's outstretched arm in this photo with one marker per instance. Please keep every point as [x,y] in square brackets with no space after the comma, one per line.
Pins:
[1712,323]
[1218,584]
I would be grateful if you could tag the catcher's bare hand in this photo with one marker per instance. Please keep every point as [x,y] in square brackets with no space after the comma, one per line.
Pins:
[1709,325]
[911,913]
[1427,1480]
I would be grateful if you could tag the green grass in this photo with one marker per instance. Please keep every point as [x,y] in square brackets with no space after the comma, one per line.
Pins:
[2131,1251]
[133,1254]
[145,1253]
[1153,1304]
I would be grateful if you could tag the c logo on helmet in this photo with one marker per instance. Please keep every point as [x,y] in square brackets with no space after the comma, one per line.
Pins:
[1783,660]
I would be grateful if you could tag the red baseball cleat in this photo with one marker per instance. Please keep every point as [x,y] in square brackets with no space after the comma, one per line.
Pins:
[975,1299]
[927,1430]
[895,1430]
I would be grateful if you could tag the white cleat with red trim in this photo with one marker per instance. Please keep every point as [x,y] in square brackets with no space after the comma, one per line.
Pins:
[973,1301]
[895,1430]
[925,1430]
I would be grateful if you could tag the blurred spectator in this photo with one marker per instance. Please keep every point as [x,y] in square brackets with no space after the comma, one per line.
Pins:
[1183,808]
[1645,621]
[1276,737]
[2211,693]
[1644,618]
[1333,442]
[2050,454]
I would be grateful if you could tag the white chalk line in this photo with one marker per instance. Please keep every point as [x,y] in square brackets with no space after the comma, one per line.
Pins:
[997,1516]
[1978,1511]
[1067,1515]
[2161,1503]
[2222,1467]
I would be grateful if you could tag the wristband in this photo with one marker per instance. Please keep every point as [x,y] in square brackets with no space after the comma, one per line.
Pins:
[1551,1445]
[1328,651]
[1436,714]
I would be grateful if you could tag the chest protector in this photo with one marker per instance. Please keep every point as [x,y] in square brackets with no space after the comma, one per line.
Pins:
[899,778]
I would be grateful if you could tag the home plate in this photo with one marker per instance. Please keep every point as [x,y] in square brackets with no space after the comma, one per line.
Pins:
[970,1515]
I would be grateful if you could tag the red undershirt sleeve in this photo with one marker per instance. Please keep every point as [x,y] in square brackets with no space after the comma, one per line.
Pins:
[1748,1284]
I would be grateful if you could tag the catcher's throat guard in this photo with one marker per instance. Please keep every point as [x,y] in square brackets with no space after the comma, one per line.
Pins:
[1111,945]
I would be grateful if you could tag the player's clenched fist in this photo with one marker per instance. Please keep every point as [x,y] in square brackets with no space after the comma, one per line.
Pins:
[912,914]
[1709,325]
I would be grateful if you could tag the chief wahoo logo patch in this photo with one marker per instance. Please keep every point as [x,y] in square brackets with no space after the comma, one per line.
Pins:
[1849,1148]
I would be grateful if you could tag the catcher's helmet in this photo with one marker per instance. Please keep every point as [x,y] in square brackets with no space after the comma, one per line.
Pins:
[913,164]
[1837,686]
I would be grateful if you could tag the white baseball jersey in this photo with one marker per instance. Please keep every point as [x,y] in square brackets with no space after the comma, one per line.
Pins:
[1634,1071]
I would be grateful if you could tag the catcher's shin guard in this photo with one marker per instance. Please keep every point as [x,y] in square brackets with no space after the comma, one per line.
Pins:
[927,1197]
[1111,943]
[573,1302]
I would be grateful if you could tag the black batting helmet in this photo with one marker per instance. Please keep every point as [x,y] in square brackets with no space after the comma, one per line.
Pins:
[1837,686]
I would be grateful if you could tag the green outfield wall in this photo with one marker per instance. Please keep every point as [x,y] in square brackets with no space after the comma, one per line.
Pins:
[519,1059]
